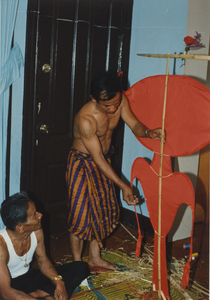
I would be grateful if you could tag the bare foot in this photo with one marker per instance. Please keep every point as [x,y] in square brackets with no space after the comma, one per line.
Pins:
[100,262]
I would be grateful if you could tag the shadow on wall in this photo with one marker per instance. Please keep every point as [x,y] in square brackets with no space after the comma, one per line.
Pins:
[184,215]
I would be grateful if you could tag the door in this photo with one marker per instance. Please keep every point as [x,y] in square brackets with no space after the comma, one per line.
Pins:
[67,43]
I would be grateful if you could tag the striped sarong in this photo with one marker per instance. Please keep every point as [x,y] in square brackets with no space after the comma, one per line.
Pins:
[93,210]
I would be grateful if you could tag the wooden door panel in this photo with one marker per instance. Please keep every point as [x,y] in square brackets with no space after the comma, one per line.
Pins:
[82,66]
[53,91]
[75,38]
[114,49]
[55,180]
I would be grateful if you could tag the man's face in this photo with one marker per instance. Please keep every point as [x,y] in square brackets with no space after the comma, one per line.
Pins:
[33,218]
[111,106]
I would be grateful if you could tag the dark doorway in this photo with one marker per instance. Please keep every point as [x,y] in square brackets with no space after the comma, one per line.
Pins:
[67,43]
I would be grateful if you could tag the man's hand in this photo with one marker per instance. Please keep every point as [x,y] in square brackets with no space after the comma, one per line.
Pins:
[39,294]
[60,291]
[156,134]
[128,196]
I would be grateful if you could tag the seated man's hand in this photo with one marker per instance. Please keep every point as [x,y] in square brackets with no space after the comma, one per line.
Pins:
[60,291]
[39,294]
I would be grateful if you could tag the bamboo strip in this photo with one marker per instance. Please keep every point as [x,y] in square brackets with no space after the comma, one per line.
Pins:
[195,284]
[128,231]
[183,56]
[176,285]
[200,286]
[201,290]
[160,181]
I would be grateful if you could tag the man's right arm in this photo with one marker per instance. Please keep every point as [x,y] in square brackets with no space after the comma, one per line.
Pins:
[6,291]
[87,127]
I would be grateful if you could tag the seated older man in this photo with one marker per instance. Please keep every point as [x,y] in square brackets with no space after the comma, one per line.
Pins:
[22,237]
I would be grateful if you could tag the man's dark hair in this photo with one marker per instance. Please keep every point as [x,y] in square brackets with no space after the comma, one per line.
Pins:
[14,210]
[106,83]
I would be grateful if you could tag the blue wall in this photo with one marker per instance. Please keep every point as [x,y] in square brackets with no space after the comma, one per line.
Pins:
[158,27]
[17,103]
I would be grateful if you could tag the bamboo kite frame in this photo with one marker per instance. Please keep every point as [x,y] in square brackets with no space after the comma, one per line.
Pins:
[160,180]
[183,56]
[168,56]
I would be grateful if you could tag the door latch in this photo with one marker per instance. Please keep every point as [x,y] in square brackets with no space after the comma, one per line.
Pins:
[44,128]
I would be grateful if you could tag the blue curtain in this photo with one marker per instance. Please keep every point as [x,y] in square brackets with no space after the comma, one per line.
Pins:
[10,63]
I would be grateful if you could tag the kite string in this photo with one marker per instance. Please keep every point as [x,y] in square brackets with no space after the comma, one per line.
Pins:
[162,154]
[161,236]
[161,175]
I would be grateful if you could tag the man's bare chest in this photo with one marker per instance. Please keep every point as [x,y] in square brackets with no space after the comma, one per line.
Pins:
[107,124]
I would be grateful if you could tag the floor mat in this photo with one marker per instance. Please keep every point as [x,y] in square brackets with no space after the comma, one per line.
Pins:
[132,281]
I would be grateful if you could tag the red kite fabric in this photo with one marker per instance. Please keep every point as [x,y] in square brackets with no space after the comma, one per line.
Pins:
[187,121]
[187,125]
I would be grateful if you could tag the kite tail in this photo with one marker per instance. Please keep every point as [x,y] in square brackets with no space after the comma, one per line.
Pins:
[186,271]
[185,277]
[138,244]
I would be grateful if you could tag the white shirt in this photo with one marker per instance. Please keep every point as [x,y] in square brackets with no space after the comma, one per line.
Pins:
[16,263]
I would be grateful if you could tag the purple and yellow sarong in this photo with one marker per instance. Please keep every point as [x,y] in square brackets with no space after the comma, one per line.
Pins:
[93,210]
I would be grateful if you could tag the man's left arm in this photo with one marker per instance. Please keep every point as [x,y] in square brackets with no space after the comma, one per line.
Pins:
[47,268]
[138,128]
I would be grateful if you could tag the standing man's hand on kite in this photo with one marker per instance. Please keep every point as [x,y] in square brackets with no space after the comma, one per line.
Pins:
[128,196]
[156,134]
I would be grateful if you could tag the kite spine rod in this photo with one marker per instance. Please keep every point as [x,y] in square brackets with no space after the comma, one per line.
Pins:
[183,56]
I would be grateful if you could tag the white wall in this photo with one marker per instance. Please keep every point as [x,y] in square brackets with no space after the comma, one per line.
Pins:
[197,20]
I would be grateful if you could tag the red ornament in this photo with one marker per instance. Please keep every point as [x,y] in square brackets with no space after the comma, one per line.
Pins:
[189,40]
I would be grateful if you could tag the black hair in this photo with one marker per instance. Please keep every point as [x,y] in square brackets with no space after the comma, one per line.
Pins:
[106,83]
[14,210]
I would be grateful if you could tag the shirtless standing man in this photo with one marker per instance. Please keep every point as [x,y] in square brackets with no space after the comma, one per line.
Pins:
[93,208]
